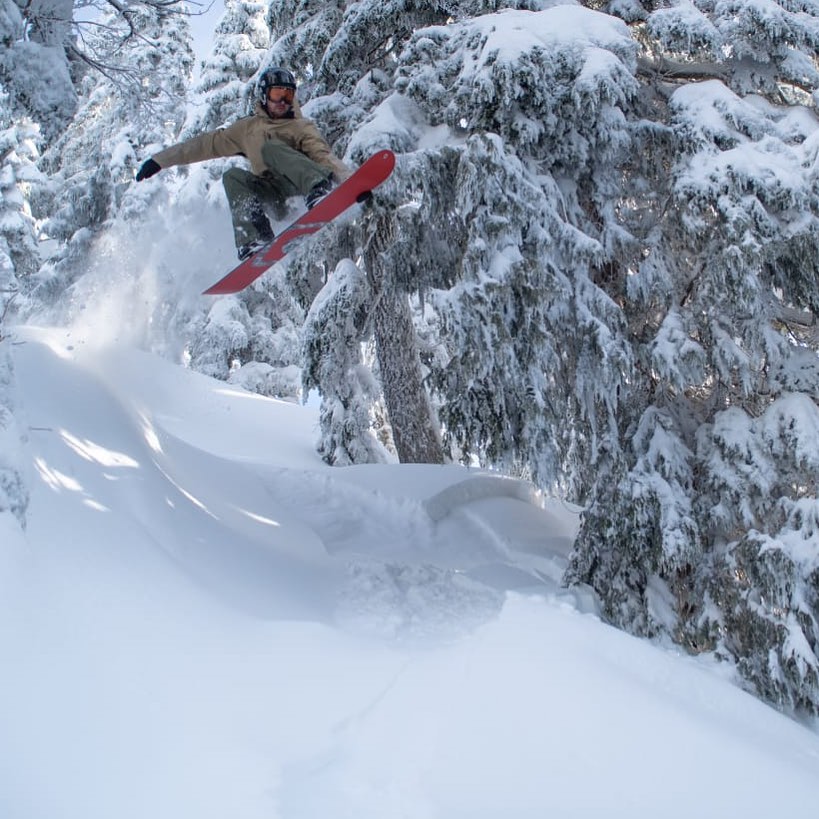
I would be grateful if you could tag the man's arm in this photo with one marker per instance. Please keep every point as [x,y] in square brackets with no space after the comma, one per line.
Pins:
[211,145]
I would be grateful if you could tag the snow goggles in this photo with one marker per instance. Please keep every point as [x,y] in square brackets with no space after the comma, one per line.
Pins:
[277,94]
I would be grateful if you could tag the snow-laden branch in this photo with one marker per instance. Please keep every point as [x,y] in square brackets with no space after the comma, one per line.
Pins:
[800,322]
[673,70]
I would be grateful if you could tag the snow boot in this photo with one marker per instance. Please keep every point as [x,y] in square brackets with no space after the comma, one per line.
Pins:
[317,192]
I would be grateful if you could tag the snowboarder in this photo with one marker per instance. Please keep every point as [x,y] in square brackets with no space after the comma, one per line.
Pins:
[287,155]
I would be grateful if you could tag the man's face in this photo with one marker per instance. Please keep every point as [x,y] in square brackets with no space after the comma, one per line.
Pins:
[279,101]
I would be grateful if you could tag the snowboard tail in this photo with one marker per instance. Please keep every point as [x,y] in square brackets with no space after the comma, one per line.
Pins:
[354,189]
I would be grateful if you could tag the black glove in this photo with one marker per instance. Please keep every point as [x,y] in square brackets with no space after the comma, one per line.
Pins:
[365,197]
[149,168]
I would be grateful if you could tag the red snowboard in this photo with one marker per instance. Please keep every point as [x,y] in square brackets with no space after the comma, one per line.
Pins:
[372,173]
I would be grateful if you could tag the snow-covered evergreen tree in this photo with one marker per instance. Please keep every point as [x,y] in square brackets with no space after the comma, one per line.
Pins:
[224,90]
[535,356]
[91,164]
[344,55]
[18,257]
[18,176]
[703,530]
[34,66]
[13,489]
[480,208]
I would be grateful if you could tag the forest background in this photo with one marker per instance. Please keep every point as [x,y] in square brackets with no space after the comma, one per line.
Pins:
[595,266]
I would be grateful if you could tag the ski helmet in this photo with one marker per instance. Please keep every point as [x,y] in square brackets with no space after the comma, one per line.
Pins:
[275,77]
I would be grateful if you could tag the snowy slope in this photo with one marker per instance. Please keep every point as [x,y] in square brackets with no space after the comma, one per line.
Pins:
[204,620]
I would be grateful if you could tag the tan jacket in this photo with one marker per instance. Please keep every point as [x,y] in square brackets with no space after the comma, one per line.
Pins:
[246,136]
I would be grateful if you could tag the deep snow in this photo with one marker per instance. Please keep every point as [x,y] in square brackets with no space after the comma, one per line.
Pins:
[204,620]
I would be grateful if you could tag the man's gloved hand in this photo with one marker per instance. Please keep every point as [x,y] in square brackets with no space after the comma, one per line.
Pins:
[149,168]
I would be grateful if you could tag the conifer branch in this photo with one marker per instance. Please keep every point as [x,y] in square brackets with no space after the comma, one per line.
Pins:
[801,323]
[673,70]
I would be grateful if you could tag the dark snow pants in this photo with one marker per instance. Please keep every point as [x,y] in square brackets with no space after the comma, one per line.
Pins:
[289,173]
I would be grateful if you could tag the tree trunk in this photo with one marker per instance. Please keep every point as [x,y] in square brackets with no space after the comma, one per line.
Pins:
[415,430]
